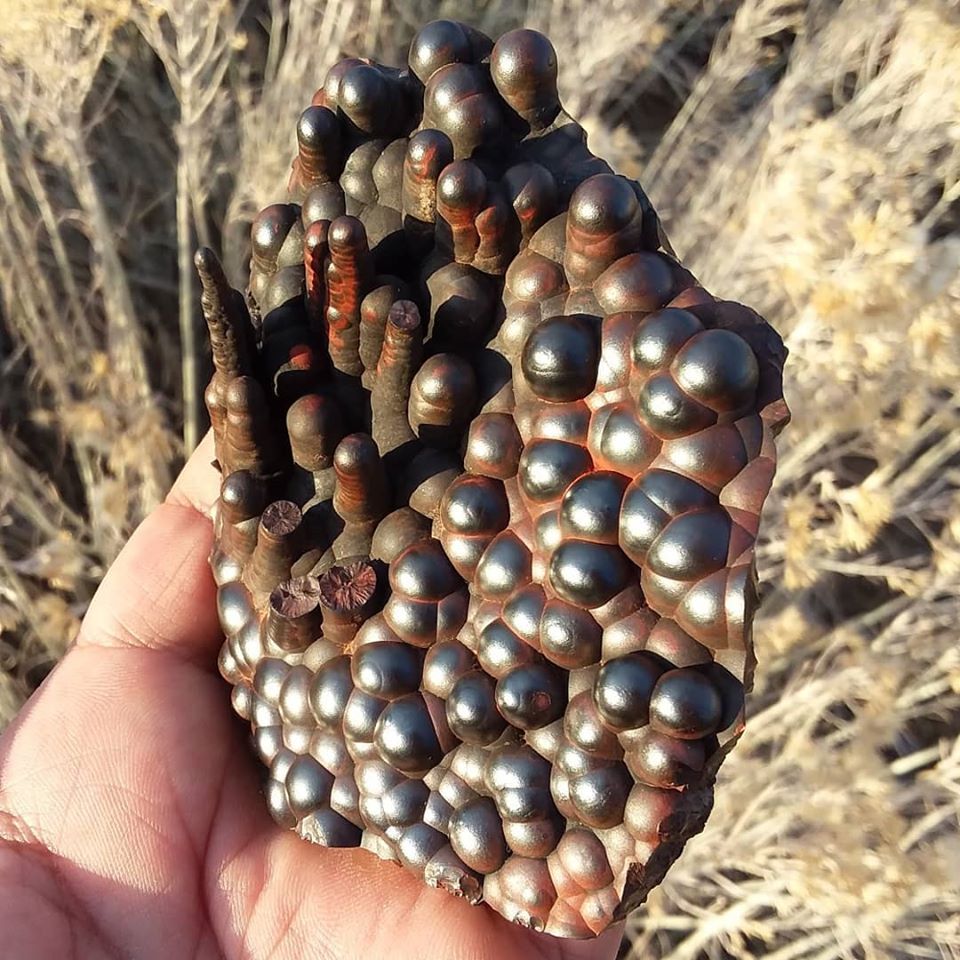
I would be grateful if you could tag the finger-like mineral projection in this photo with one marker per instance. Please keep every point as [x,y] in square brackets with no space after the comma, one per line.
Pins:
[493,465]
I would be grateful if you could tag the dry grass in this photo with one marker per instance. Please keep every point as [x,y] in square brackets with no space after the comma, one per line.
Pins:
[806,158]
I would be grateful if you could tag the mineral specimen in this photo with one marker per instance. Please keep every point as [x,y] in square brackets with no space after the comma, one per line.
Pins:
[493,465]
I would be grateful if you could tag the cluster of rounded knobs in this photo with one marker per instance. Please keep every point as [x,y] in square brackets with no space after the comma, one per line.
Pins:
[493,464]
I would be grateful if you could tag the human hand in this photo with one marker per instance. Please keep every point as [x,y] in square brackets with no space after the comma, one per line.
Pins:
[130,818]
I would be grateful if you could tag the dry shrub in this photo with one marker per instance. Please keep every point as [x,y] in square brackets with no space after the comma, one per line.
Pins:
[806,158]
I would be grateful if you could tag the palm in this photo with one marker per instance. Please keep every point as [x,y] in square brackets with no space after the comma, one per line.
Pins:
[129,802]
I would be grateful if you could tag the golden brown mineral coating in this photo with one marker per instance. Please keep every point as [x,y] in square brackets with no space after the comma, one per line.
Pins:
[493,470]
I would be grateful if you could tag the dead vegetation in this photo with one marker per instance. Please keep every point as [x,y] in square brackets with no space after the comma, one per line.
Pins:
[805,156]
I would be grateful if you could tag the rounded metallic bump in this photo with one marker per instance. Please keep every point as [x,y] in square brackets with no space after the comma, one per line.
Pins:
[500,650]
[423,572]
[374,630]
[623,688]
[670,641]
[493,446]
[268,232]
[472,709]
[227,664]
[663,761]
[546,532]
[548,467]
[322,205]
[428,152]
[329,829]
[330,690]
[242,700]
[294,700]
[405,736]
[532,695]
[318,653]
[616,335]
[476,835]
[314,427]
[437,812]
[269,677]
[531,190]
[584,858]
[504,567]
[519,767]
[585,728]
[278,805]
[443,398]
[561,421]
[345,799]
[361,494]
[691,546]
[638,281]
[418,844]
[523,66]
[329,749]
[414,620]
[397,531]
[475,505]
[464,552]
[404,803]
[522,891]
[361,715]
[600,796]
[308,786]
[374,778]
[265,714]
[719,369]
[523,611]
[367,97]
[589,574]
[653,815]
[731,693]
[234,607]
[533,838]
[387,670]
[618,438]
[248,645]
[444,664]
[668,411]
[458,100]
[445,41]
[659,337]
[268,741]
[714,455]
[559,358]
[590,509]
[280,765]
[318,139]
[569,635]
[641,521]
[242,497]
[604,222]
[456,791]
[452,613]
[546,740]
[685,704]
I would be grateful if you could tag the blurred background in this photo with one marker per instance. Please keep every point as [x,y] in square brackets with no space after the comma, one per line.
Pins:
[805,158]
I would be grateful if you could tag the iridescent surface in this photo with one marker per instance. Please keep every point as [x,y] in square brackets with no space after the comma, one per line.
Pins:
[493,468]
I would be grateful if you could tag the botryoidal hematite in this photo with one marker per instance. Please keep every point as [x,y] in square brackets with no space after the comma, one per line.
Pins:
[493,465]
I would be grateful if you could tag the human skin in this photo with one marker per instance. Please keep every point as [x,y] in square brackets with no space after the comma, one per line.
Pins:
[131,823]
